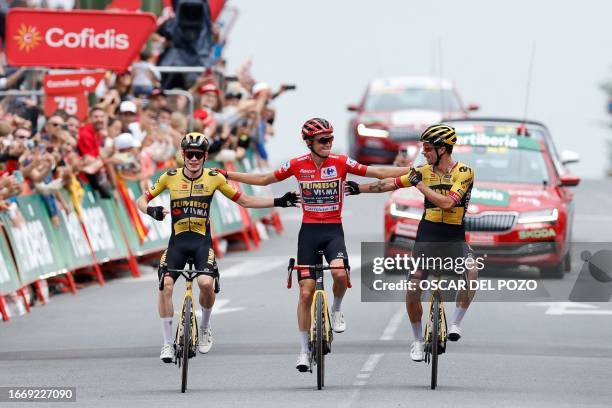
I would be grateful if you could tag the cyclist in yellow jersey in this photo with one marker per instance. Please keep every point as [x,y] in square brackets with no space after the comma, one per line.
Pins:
[446,186]
[191,191]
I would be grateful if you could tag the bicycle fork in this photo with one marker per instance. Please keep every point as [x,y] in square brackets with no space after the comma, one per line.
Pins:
[180,326]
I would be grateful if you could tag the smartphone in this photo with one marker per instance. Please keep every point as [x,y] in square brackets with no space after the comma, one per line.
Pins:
[18,176]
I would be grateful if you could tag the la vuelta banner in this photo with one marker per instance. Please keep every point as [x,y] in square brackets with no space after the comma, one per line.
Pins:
[75,39]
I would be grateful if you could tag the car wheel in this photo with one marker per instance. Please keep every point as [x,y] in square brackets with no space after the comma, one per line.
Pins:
[553,272]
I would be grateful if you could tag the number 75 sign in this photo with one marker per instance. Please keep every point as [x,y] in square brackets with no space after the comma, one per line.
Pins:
[75,104]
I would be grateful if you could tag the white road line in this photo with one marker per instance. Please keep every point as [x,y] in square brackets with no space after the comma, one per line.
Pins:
[361,379]
[393,325]
[251,268]
[371,362]
[218,308]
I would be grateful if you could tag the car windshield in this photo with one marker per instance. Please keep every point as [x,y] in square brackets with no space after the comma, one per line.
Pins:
[502,164]
[511,129]
[412,98]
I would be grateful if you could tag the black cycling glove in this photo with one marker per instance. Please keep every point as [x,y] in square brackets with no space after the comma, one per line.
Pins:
[290,199]
[415,177]
[156,212]
[224,172]
[351,188]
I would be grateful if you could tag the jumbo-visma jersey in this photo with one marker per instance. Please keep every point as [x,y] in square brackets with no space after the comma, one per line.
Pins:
[456,184]
[321,187]
[190,198]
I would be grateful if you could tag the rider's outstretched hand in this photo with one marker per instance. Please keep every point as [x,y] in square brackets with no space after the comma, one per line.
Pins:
[224,172]
[157,213]
[290,199]
[351,188]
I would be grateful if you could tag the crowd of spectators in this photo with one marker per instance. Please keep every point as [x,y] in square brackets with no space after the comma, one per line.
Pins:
[133,128]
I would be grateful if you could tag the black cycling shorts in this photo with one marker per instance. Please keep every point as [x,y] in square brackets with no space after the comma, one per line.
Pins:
[188,246]
[436,240]
[313,238]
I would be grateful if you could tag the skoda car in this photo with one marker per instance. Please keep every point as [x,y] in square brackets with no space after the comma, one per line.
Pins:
[394,111]
[520,211]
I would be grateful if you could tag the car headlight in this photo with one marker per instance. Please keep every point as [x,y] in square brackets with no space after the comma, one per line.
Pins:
[363,130]
[404,211]
[548,215]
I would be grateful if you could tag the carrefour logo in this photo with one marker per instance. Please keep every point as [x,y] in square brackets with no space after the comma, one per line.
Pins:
[29,37]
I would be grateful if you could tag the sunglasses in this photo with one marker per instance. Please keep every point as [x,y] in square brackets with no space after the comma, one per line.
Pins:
[190,154]
[325,140]
[428,147]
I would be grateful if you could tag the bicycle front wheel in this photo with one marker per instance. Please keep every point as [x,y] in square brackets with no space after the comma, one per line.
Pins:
[186,343]
[435,341]
[319,341]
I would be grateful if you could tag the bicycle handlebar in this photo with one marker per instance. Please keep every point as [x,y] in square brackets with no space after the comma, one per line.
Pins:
[292,266]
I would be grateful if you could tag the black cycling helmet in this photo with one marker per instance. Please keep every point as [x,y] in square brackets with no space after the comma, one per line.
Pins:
[196,141]
[315,126]
[439,135]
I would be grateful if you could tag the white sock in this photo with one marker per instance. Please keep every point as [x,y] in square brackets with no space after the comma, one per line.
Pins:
[304,339]
[459,313]
[166,325]
[337,304]
[206,317]
[417,331]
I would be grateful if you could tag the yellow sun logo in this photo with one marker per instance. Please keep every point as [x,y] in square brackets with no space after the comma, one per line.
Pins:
[27,38]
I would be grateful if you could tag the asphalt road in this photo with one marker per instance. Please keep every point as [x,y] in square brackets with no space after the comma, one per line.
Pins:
[105,341]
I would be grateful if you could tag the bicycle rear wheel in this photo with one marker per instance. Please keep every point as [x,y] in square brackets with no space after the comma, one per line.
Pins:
[435,341]
[186,343]
[319,341]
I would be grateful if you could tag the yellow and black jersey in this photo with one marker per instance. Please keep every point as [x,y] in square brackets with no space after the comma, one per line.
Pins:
[190,198]
[456,184]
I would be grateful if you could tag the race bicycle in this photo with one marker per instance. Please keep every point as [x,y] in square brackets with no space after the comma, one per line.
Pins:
[435,333]
[186,339]
[321,335]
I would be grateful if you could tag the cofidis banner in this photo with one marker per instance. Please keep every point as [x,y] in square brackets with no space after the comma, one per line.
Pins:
[76,39]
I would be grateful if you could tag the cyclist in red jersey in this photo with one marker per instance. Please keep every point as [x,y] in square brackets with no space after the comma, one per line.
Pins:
[322,180]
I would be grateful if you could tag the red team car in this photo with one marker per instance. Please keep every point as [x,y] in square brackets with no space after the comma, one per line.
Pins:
[520,211]
[394,112]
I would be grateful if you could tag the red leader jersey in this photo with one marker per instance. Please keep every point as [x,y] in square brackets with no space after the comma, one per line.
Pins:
[322,188]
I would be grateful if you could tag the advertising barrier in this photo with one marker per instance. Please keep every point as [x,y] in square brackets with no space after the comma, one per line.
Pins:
[105,232]
[9,280]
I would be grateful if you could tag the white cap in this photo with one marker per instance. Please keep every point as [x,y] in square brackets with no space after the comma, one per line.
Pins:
[126,141]
[128,106]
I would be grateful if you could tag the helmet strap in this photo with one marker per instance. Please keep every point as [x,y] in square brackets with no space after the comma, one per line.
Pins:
[438,156]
